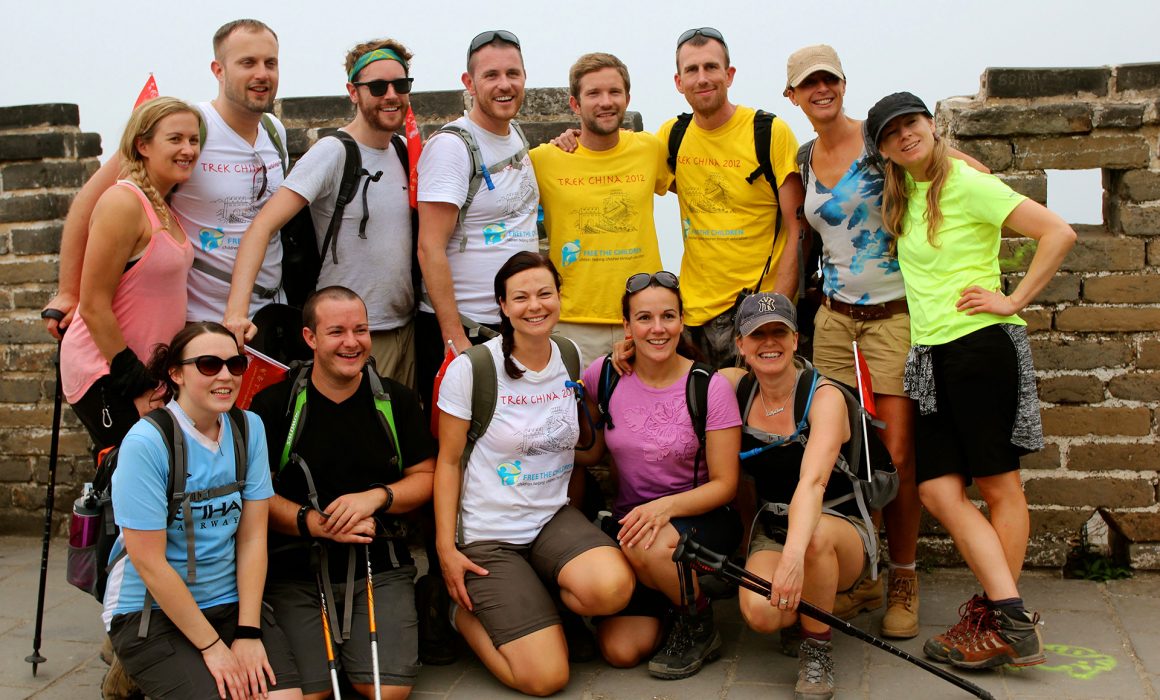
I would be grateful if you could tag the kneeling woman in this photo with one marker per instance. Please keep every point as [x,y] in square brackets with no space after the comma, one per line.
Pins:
[504,529]
[665,485]
[811,555]
[210,636]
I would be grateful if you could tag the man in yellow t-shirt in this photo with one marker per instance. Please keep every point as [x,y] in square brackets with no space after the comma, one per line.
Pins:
[598,204]
[727,223]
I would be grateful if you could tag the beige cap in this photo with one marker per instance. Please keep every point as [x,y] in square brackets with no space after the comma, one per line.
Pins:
[807,60]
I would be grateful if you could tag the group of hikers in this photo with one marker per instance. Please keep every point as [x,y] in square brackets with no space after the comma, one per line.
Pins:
[287,560]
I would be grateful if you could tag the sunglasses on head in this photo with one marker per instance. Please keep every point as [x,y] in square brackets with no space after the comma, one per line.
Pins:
[378,88]
[707,32]
[484,38]
[210,365]
[642,280]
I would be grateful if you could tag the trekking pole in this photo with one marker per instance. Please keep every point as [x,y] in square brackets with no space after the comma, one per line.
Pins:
[49,501]
[374,631]
[711,562]
[326,636]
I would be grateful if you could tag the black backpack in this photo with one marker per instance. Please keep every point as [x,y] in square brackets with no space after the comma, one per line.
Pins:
[696,400]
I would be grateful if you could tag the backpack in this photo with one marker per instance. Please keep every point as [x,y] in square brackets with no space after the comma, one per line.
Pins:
[872,493]
[179,500]
[805,155]
[696,401]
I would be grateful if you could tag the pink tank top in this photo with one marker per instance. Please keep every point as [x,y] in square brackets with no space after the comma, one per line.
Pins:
[149,305]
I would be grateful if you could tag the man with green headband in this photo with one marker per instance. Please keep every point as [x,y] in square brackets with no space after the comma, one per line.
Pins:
[370,251]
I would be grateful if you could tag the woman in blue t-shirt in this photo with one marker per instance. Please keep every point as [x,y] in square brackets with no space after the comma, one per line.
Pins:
[205,633]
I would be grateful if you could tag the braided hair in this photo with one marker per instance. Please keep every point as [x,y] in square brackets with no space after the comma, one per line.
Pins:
[142,126]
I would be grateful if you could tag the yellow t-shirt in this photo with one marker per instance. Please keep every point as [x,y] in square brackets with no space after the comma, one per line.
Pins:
[727,223]
[598,211]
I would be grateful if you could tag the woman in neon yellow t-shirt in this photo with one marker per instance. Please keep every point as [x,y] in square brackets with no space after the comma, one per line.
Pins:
[970,366]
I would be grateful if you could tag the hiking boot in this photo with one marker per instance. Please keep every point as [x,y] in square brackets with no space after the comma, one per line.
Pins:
[117,685]
[1000,638]
[437,639]
[901,618]
[864,597]
[939,646]
[815,671]
[107,654]
[692,642]
[790,638]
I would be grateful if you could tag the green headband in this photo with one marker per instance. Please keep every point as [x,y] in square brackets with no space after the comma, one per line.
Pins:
[366,59]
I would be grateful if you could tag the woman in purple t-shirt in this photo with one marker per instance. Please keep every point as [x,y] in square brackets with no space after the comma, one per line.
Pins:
[666,485]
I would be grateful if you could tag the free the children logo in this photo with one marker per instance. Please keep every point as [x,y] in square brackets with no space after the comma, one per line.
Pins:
[509,473]
[494,234]
[210,238]
[570,252]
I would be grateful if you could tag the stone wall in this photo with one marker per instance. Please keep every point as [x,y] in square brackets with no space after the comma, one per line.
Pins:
[1095,332]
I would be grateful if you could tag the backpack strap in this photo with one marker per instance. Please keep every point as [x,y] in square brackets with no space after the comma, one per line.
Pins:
[697,402]
[762,142]
[300,371]
[352,172]
[272,132]
[481,172]
[386,416]
[676,136]
[569,355]
[871,148]
[805,156]
[609,378]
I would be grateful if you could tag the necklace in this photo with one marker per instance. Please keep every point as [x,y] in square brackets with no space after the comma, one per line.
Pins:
[774,412]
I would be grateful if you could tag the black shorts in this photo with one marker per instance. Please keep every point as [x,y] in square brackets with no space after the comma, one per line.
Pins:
[976,381]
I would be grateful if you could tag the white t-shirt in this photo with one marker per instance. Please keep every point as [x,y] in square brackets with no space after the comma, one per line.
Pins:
[500,223]
[376,265]
[517,477]
[216,206]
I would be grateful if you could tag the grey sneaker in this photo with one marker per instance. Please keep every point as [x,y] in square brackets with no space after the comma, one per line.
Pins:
[691,643]
[815,671]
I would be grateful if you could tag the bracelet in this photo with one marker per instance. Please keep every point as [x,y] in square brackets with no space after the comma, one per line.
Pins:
[390,496]
[208,646]
[303,528]
[247,632]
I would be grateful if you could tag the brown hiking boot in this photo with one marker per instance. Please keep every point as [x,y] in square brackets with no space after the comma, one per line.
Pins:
[117,685]
[864,597]
[998,639]
[901,618]
[939,646]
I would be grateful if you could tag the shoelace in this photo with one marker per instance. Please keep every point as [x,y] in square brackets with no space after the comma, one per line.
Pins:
[901,591]
[817,665]
[969,613]
[679,638]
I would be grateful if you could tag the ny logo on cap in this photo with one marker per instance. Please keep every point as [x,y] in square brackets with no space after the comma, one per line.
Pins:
[767,304]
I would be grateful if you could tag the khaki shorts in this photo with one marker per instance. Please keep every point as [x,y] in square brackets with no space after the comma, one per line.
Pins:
[394,353]
[770,538]
[513,601]
[594,339]
[884,343]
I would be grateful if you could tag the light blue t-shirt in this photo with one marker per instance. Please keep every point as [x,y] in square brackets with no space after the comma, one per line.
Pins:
[857,266]
[139,503]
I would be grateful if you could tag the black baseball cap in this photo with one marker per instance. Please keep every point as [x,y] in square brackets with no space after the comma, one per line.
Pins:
[888,108]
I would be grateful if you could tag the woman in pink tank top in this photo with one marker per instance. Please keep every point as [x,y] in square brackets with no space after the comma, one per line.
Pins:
[132,293]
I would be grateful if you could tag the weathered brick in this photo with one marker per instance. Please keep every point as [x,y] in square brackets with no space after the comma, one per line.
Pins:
[19,390]
[1015,254]
[34,417]
[1099,253]
[1096,420]
[1059,289]
[37,174]
[1093,318]
[315,111]
[28,358]
[21,328]
[88,146]
[1045,82]
[1140,185]
[33,207]
[1071,388]
[1057,521]
[1154,252]
[1137,219]
[1032,185]
[1136,386]
[438,105]
[1037,319]
[1007,120]
[542,132]
[1122,289]
[1081,152]
[20,272]
[31,298]
[1090,491]
[15,469]
[23,441]
[1047,458]
[996,155]
[298,141]
[1106,456]
[1137,527]
[1138,76]
[1149,357]
[25,116]
[544,102]
[36,241]
[1119,116]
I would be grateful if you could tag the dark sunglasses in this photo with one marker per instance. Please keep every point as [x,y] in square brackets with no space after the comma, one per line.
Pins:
[643,280]
[210,365]
[707,32]
[378,88]
[260,182]
[484,38]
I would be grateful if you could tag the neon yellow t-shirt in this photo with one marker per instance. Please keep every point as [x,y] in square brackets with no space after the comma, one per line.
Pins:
[598,211]
[974,206]
[727,223]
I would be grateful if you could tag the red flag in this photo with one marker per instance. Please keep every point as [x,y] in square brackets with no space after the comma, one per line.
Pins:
[439,380]
[148,92]
[414,148]
[865,390]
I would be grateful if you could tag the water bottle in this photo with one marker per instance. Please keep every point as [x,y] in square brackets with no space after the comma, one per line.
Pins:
[84,526]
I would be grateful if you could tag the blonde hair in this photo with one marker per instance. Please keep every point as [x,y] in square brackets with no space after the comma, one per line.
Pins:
[896,194]
[592,62]
[142,125]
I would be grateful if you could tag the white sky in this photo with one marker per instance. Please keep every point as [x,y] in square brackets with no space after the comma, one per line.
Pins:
[98,54]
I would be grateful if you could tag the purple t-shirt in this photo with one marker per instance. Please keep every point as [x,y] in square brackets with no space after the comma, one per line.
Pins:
[653,442]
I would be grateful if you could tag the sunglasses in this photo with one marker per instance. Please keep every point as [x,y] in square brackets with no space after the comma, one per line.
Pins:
[642,280]
[210,365]
[484,38]
[378,88]
[260,182]
[707,32]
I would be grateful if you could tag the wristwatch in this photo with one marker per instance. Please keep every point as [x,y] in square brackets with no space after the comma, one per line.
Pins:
[303,528]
